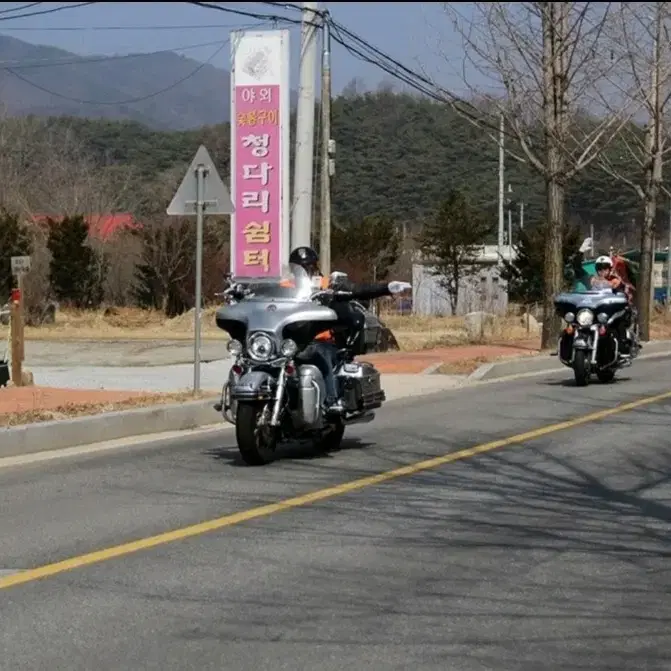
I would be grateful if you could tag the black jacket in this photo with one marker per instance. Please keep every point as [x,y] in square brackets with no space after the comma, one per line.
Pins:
[362,292]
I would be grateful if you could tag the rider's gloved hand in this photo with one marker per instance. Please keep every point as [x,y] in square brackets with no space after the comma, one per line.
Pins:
[586,244]
[399,287]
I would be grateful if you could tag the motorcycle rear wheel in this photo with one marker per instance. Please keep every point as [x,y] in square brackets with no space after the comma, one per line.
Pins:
[256,443]
[581,370]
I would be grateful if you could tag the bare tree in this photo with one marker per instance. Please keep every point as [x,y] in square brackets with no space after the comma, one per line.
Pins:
[542,65]
[640,38]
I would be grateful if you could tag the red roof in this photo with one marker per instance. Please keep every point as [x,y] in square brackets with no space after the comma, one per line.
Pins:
[102,226]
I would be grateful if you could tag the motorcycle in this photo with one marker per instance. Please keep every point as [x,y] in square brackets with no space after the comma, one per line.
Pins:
[273,393]
[590,342]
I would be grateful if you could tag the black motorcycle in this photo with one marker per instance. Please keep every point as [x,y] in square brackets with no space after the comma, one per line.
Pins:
[599,336]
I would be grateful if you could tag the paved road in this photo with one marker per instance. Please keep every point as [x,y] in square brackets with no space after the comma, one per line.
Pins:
[549,553]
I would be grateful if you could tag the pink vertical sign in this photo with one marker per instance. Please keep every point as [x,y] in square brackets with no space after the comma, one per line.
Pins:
[259,153]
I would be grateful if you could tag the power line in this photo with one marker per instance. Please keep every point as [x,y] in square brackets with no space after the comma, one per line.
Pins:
[48,63]
[22,8]
[72,5]
[396,69]
[358,46]
[130,101]
[65,29]
[240,12]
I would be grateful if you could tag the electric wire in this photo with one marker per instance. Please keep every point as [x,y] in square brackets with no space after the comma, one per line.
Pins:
[53,10]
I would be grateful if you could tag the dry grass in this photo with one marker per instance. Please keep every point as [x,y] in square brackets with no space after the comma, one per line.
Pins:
[123,324]
[463,366]
[413,333]
[416,333]
[81,410]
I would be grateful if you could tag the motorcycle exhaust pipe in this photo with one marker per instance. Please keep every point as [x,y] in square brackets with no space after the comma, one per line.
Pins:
[363,418]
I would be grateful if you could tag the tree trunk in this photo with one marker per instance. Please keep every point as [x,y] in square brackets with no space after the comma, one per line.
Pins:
[553,261]
[555,67]
[644,288]
[653,182]
[454,298]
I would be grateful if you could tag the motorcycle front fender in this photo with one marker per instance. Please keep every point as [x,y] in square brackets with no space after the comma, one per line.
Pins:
[253,385]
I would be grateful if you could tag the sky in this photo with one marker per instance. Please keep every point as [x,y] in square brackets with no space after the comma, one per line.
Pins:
[418,34]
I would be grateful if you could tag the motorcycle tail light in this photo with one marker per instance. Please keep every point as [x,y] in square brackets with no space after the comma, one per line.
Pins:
[237,369]
[289,369]
[569,330]
[602,331]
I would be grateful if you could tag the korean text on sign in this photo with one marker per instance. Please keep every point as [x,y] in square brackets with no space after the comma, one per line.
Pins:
[258,182]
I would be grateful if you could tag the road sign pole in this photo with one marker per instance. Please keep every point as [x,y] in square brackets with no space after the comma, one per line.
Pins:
[191,198]
[200,179]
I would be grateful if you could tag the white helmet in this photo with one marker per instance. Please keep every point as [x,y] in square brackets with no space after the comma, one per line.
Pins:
[603,262]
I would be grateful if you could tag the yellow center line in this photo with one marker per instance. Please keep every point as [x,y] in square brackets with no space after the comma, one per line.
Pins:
[124,549]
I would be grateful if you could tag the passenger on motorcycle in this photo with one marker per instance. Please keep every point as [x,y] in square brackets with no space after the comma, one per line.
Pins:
[323,352]
[607,277]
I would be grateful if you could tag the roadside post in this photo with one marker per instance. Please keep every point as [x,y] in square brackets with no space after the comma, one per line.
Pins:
[20,267]
[201,192]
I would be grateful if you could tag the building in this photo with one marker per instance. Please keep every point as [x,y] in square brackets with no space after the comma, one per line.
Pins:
[482,290]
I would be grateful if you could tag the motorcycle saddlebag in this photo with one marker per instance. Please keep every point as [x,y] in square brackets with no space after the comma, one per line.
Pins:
[360,386]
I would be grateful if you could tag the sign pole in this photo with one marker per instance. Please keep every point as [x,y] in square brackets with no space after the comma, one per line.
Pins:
[201,188]
[22,316]
[20,266]
[200,178]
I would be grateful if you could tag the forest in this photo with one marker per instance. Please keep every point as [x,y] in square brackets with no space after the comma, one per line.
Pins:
[398,157]
[397,154]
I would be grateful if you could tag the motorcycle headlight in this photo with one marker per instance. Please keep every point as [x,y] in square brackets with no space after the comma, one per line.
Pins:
[260,347]
[569,317]
[585,317]
[234,347]
[602,317]
[288,347]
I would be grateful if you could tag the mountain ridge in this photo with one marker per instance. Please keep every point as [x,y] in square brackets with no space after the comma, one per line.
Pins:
[163,90]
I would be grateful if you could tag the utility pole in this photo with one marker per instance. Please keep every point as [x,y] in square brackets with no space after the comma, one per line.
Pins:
[327,161]
[501,185]
[510,219]
[301,219]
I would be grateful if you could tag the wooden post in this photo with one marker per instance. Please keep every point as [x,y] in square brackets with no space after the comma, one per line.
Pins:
[16,333]
[22,317]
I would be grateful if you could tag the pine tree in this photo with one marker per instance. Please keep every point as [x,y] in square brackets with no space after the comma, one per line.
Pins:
[77,271]
[14,241]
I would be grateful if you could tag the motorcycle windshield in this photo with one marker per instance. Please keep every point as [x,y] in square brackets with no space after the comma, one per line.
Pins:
[294,285]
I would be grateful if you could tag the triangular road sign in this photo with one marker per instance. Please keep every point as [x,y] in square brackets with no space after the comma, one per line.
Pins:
[216,196]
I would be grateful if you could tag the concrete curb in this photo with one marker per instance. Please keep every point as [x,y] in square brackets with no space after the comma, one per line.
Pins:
[61,434]
[548,364]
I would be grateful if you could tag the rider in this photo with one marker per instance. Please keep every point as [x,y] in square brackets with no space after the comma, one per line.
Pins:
[607,277]
[324,351]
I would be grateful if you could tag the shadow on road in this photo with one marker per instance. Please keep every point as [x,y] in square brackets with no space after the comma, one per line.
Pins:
[304,451]
[553,556]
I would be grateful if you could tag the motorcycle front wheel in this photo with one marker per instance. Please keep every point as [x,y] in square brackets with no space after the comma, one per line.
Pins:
[581,368]
[256,441]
